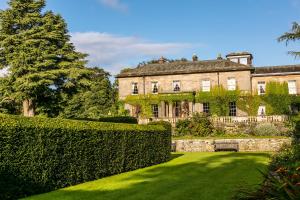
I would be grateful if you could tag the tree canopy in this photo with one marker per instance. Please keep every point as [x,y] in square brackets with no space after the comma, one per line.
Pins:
[36,49]
[293,35]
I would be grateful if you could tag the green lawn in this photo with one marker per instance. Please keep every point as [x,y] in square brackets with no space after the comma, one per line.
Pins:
[207,176]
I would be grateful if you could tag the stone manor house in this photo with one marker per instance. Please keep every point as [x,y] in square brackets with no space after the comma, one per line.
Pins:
[188,77]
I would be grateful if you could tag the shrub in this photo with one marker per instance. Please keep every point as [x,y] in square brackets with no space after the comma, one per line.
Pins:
[266,129]
[40,154]
[182,127]
[197,125]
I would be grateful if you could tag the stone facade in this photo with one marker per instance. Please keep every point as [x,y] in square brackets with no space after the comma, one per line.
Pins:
[245,145]
[191,74]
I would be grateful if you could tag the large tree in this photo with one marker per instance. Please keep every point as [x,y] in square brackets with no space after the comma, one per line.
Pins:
[293,35]
[93,101]
[36,48]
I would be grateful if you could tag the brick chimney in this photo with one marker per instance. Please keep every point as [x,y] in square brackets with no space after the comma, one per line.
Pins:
[195,58]
[219,57]
[161,60]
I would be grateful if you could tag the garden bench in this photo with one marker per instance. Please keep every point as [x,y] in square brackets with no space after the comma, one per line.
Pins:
[227,146]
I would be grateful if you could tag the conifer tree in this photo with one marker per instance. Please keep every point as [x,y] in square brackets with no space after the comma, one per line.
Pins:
[36,48]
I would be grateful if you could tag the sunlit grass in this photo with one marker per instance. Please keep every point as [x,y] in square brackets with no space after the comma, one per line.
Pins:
[207,176]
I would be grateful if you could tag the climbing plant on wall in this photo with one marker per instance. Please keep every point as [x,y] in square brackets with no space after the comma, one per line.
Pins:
[218,99]
[277,98]
[249,104]
[145,101]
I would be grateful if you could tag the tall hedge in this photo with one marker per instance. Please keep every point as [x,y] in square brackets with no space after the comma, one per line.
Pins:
[113,119]
[40,154]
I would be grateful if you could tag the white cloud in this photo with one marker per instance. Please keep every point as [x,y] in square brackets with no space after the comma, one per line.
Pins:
[115,4]
[114,52]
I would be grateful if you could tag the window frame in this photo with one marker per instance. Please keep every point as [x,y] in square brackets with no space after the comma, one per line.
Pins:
[174,86]
[292,90]
[155,110]
[229,85]
[206,107]
[232,109]
[205,88]
[263,85]
[134,88]
[153,83]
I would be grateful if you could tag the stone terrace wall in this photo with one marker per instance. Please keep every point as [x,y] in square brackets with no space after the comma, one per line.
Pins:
[245,145]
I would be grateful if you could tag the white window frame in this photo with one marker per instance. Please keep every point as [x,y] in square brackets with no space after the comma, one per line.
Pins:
[132,88]
[174,84]
[231,83]
[259,85]
[292,85]
[244,61]
[261,110]
[152,87]
[205,85]
[236,60]
[155,110]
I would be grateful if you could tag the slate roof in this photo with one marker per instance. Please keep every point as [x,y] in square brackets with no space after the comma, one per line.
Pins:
[277,69]
[239,54]
[188,67]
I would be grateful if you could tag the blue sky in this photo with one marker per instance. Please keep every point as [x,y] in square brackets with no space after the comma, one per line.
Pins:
[121,33]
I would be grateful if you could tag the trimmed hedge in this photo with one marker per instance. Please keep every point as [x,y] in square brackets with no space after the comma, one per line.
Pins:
[114,119]
[40,154]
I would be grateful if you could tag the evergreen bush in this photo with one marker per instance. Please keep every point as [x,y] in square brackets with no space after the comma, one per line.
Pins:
[41,154]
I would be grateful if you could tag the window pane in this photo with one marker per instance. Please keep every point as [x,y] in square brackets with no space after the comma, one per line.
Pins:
[292,87]
[206,108]
[261,87]
[176,86]
[244,61]
[135,88]
[206,85]
[154,87]
[232,109]
[231,84]
[155,110]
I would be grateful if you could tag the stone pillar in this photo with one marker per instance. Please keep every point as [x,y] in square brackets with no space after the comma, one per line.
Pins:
[182,109]
[161,113]
[191,108]
[171,110]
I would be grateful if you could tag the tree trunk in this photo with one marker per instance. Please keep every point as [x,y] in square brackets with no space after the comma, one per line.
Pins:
[28,108]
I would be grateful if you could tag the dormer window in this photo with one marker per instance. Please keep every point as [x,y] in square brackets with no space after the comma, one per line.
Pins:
[154,86]
[261,87]
[205,85]
[176,86]
[231,84]
[134,88]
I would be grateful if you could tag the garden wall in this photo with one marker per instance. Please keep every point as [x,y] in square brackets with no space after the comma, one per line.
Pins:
[40,154]
[245,145]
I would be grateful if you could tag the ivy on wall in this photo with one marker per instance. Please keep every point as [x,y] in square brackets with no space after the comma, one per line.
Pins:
[145,101]
[276,99]
[218,99]
[249,104]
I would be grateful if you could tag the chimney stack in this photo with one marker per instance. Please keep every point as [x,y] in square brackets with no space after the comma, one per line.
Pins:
[219,57]
[161,60]
[195,57]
